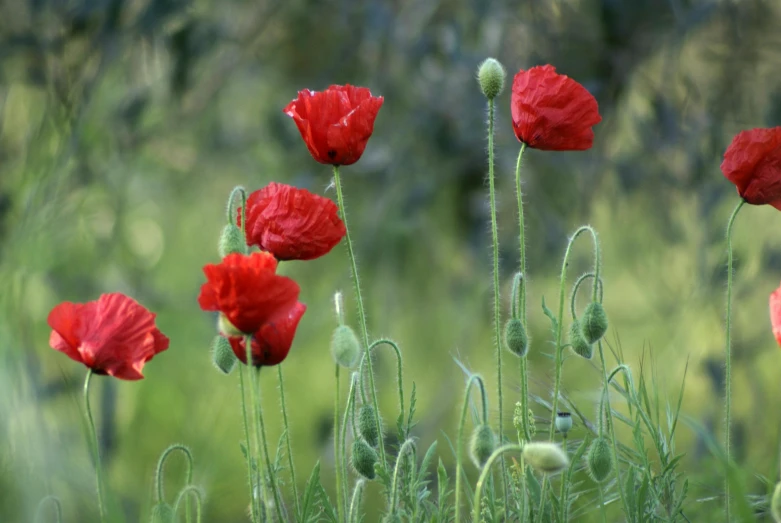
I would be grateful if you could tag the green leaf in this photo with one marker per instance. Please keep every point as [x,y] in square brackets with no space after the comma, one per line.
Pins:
[549,314]
[310,494]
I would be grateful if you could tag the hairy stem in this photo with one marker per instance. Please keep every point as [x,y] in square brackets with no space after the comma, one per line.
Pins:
[460,441]
[337,456]
[95,447]
[484,474]
[285,423]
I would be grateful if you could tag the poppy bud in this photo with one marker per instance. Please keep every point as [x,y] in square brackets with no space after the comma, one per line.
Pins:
[482,445]
[563,422]
[232,240]
[363,458]
[345,347]
[367,424]
[599,460]
[594,322]
[222,355]
[546,457]
[226,328]
[578,342]
[162,513]
[491,75]
[775,504]
[515,337]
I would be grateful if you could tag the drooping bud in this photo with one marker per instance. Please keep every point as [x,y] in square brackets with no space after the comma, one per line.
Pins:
[594,322]
[775,503]
[162,513]
[367,424]
[222,355]
[482,445]
[363,458]
[226,328]
[578,342]
[491,76]
[232,240]
[563,422]
[599,460]
[515,337]
[345,347]
[545,457]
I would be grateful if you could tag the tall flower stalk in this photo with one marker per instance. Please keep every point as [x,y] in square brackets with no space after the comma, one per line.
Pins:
[522,291]
[94,447]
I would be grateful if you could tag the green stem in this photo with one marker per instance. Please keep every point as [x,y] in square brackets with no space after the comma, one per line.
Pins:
[728,360]
[337,457]
[194,491]
[361,310]
[95,447]
[405,448]
[188,478]
[498,453]
[261,440]
[254,509]
[563,492]
[460,441]
[349,413]
[399,372]
[522,365]
[54,500]
[576,287]
[290,460]
[355,503]
[229,214]
[602,509]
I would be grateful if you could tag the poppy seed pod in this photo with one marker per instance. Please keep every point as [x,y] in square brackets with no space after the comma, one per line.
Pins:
[222,355]
[563,422]
[232,240]
[345,347]
[363,459]
[491,76]
[482,445]
[594,322]
[162,513]
[546,457]
[599,460]
[775,504]
[578,342]
[515,337]
[367,424]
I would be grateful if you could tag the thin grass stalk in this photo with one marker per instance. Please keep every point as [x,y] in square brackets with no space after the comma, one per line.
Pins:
[290,461]
[460,441]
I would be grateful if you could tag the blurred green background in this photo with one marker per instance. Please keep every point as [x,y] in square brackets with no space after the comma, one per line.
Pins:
[124,124]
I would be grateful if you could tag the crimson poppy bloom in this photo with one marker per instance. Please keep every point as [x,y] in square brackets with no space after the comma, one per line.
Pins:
[775,313]
[246,290]
[551,111]
[753,163]
[292,223]
[113,335]
[271,343]
[336,123]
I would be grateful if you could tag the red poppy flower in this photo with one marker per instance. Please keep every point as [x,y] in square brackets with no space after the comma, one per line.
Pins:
[272,342]
[551,111]
[113,335]
[335,123]
[246,290]
[753,163]
[775,313]
[291,223]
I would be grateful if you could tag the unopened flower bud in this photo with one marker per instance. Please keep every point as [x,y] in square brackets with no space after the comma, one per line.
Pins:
[482,445]
[563,422]
[367,424]
[546,457]
[599,460]
[515,337]
[345,347]
[491,76]
[775,503]
[162,513]
[227,329]
[578,342]
[594,322]
[222,355]
[363,458]
[232,240]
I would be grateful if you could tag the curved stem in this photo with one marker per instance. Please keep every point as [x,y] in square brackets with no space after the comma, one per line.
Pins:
[405,448]
[95,447]
[399,372]
[57,509]
[608,416]
[195,492]
[522,364]
[361,310]
[188,478]
[337,457]
[355,503]
[576,288]
[627,372]
[728,360]
[484,475]
[261,439]
[290,461]
[248,454]
[460,441]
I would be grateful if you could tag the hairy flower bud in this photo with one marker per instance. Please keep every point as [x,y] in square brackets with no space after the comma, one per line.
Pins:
[599,460]
[491,76]
[363,458]
[345,347]
[162,513]
[563,422]
[232,240]
[482,445]
[594,322]
[546,457]
[515,337]
[578,342]
[222,355]
[367,424]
